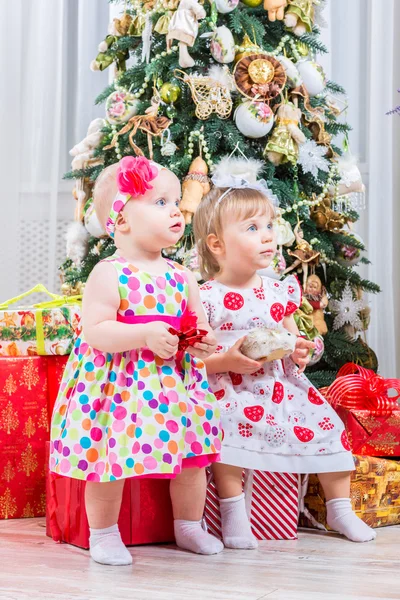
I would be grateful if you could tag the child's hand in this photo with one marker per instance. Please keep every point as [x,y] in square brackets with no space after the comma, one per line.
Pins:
[160,341]
[301,354]
[236,362]
[204,348]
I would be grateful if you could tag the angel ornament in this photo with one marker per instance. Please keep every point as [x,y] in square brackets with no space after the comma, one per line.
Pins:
[303,253]
[184,27]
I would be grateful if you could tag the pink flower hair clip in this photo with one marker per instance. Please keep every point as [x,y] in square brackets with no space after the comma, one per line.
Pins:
[133,179]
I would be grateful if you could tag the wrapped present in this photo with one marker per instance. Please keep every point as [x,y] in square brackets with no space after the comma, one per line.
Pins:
[55,370]
[145,516]
[47,328]
[24,430]
[272,501]
[370,415]
[375,494]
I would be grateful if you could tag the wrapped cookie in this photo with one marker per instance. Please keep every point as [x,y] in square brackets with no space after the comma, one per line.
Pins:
[264,344]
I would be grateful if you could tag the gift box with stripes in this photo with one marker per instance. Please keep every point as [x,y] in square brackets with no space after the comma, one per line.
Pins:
[272,501]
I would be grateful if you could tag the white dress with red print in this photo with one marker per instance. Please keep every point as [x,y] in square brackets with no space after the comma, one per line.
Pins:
[273,420]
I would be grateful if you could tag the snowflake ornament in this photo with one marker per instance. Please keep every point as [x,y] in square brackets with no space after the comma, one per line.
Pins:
[312,158]
[347,310]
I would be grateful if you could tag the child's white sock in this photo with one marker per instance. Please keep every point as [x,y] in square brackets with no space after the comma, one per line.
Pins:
[341,518]
[236,530]
[107,548]
[189,535]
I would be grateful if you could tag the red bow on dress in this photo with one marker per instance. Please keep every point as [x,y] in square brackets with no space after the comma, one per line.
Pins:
[357,388]
[188,334]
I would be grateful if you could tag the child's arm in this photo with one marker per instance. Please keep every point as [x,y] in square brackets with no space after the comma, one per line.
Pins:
[208,343]
[101,329]
[301,354]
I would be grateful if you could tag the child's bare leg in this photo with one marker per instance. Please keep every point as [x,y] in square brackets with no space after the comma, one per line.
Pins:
[103,503]
[340,515]
[188,493]
[236,530]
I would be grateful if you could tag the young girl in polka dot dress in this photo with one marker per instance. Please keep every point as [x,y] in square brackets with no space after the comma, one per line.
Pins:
[131,403]
[273,419]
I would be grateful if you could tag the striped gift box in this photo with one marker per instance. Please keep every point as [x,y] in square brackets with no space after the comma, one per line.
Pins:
[274,508]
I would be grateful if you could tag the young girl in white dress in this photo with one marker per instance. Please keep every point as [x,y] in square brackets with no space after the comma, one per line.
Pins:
[273,418]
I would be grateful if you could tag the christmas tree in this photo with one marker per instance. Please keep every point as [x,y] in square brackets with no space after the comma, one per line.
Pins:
[195,82]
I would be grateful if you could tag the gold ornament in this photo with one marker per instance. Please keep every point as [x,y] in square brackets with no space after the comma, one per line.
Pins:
[259,76]
[325,218]
[209,95]
[302,49]
[252,3]
[170,92]
[261,71]
[283,144]
[246,47]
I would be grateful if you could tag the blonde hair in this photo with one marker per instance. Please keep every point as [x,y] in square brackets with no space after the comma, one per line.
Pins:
[210,216]
[104,192]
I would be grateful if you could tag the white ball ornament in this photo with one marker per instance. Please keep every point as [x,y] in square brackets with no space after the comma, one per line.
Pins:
[222,45]
[226,6]
[121,106]
[254,119]
[293,76]
[348,255]
[92,223]
[313,76]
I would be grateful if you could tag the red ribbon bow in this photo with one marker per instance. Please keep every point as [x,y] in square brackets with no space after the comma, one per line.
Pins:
[357,388]
[188,334]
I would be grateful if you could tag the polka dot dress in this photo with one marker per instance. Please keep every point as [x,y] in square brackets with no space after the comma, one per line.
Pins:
[132,413]
[273,419]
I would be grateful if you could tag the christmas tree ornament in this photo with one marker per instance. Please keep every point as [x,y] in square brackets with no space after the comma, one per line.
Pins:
[171,111]
[184,27]
[246,47]
[121,105]
[316,295]
[170,92]
[312,158]
[318,351]
[252,3]
[350,191]
[83,153]
[77,242]
[347,310]
[209,94]
[191,261]
[293,77]
[275,9]
[254,119]
[283,231]
[325,218]
[195,186]
[150,123]
[299,16]
[168,148]
[283,144]
[222,44]
[348,255]
[226,6]
[259,76]
[91,221]
[313,76]
[304,321]
[107,55]
[304,254]
[276,267]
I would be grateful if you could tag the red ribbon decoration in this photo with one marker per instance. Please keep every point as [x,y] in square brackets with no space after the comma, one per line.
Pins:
[188,334]
[357,388]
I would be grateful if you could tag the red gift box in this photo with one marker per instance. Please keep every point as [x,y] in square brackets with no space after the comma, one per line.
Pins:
[274,509]
[23,433]
[145,516]
[370,415]
[55,371]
